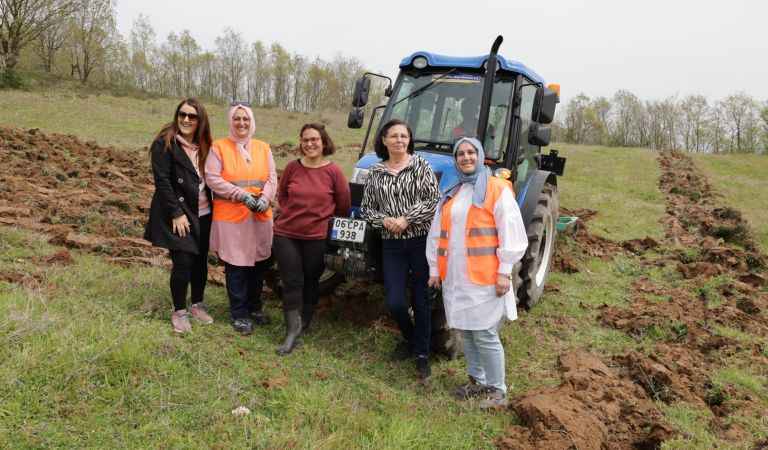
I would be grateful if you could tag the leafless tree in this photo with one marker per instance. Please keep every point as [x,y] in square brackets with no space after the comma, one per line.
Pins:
[23,21]
[694,111]
[92,26]
[741,111]
[231,50]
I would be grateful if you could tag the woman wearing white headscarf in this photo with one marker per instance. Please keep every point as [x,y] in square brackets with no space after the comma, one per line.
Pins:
[241,173]
[476,237]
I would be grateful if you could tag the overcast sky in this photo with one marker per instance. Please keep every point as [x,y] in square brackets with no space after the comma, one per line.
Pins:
[653,48]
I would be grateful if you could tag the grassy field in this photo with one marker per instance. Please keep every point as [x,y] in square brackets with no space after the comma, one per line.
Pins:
[621,184]
[132,123]
[743,181]
[90,361]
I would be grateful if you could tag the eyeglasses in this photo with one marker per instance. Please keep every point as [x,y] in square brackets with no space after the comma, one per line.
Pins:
[312,139]
[240,103]
[396,136]
[184,115]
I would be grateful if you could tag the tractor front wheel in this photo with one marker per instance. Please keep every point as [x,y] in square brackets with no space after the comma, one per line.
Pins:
[537,261]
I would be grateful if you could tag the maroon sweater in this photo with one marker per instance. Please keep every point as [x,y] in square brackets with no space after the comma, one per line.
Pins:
[308,198]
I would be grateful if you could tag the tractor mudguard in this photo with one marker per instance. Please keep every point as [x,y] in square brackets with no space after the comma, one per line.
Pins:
[531,193]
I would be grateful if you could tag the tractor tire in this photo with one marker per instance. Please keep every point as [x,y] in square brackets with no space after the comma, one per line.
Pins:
[537,261]
[329,281]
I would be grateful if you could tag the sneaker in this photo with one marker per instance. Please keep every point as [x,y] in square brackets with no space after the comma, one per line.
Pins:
[472,389]
[243,326]
[422,366]
[180,321]
[260,318]
[494,399]
[198,311]
[401,352]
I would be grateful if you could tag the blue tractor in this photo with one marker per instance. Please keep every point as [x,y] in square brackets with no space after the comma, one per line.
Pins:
[506,106]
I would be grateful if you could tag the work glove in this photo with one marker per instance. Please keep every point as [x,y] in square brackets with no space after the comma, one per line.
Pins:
[251,202]
[261,204]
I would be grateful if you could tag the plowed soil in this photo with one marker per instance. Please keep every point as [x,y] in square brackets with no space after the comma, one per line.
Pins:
[95,198]
[81,195]
[609,405]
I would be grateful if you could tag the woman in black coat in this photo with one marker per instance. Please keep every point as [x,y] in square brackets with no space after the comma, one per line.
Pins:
[180,215]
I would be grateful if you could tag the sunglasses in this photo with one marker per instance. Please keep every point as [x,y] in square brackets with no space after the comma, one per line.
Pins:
[248,104]
[191,116]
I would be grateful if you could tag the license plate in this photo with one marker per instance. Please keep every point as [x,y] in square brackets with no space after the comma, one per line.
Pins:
[348,230]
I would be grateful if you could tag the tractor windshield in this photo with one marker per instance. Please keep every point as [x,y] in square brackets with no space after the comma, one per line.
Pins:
[441,107]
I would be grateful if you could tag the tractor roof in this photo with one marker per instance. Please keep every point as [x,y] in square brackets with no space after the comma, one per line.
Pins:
[472,62]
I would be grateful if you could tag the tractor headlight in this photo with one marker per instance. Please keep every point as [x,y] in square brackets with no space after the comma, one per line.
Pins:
[359,176]
[419,62]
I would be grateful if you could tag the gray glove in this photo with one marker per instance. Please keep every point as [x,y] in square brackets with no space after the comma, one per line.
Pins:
[261,204]
[251,202]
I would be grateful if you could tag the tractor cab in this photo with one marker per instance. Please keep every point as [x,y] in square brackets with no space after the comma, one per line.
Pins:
[502,103]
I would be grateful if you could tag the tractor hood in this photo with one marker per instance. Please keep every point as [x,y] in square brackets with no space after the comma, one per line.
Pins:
[442,165]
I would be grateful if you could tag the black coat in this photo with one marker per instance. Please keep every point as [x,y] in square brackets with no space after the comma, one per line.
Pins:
[176,193]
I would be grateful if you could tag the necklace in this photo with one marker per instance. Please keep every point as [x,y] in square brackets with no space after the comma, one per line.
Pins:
[400,165]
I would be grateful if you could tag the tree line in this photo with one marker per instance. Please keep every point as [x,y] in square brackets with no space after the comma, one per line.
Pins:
[79,39]
[735,124]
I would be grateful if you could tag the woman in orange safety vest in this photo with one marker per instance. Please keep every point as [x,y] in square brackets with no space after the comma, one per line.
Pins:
[241,173]
[476,238]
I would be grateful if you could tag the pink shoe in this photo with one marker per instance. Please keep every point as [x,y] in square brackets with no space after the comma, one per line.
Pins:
[180,321]
[200,314]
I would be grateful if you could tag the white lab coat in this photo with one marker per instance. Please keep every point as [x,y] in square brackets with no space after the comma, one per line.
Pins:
[470,306]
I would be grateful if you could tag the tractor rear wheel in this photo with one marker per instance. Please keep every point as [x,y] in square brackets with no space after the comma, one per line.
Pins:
[537,261]
[329,280]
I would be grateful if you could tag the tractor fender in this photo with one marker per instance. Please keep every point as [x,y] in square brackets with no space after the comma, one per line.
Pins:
[528,198]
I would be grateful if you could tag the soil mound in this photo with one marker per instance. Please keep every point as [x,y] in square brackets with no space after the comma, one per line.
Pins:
[595,407]
[81,194]
[712,248]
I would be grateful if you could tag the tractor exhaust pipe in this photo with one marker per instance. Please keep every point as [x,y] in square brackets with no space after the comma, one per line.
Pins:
[490,77]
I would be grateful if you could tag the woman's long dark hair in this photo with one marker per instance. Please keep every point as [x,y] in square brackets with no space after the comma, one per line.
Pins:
[202,134]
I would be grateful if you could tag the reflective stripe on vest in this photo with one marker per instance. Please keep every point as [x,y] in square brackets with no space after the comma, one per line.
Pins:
[482,237]
[250,177]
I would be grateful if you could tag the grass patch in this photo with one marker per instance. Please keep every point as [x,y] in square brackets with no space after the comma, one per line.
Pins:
[89,360]
[132,122]
[620,183]
[693,425]
[747,381]
[741,181]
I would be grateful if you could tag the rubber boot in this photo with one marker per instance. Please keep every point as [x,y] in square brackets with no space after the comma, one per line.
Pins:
[292,331]
[306,316]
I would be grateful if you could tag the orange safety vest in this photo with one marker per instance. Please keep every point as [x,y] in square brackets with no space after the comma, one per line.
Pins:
[251,177]
[482,237]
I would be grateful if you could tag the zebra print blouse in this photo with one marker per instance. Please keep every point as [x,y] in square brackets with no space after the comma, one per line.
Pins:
[413,193]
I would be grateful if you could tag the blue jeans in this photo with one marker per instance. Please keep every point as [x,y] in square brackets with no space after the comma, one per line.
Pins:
[485,356]
[402,257]
[244,286]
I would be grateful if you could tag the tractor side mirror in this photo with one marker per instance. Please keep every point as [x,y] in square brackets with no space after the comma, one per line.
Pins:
[356,118]
[360,96]
[544,106]
[539,134]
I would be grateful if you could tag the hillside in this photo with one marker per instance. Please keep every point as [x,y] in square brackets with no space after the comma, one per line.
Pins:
[653,331]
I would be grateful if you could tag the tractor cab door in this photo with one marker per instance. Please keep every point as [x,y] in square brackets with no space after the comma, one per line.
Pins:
[526,164]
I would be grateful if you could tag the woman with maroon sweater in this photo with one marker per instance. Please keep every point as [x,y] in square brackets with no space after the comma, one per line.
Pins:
[311,191]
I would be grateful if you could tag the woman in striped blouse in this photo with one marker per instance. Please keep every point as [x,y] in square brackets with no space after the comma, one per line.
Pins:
[400,198]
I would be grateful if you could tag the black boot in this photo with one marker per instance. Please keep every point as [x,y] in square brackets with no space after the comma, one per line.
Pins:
[306,316]
[292,331]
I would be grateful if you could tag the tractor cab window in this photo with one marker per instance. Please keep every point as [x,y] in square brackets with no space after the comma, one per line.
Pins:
[441,107]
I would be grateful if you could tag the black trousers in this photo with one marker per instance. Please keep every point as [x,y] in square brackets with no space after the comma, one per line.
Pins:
[244,286]
[401,259]
[190,269]
[301,263]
